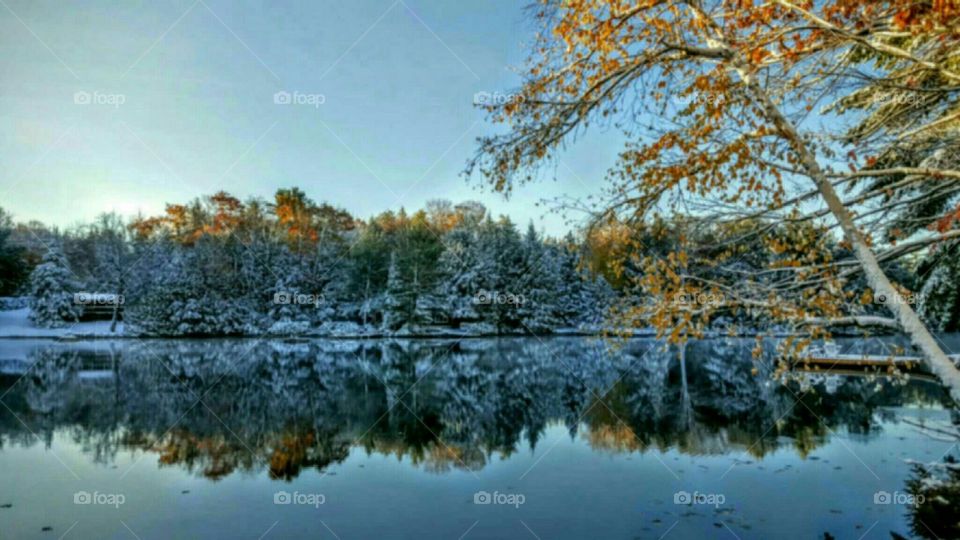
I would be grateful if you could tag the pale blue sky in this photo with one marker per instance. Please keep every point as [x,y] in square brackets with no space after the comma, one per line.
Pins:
[198,78]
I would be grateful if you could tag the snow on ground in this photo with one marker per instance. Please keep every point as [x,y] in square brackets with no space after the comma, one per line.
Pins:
[16,323]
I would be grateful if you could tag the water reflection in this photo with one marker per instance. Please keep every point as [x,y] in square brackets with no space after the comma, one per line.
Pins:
[216,407]
[937,485]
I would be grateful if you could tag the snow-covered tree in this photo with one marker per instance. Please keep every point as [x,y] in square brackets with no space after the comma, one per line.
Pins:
[461,269]
[396,309]
[940,292]
[219,266]
[186,300]
[52,288]
[540,285]
[500,250]
[114,260]
[578,297]
[13,268]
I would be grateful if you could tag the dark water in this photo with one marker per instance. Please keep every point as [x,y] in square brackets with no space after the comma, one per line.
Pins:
[517,438]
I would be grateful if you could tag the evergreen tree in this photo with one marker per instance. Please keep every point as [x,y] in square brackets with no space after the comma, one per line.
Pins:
[287,292]
[940,292]
[460,268]
[13,267]
[52,288]
[501,256]
[418,249]
[396,305]
[191,297]
[537,308]
[369,261]
[326,280]
[582,299]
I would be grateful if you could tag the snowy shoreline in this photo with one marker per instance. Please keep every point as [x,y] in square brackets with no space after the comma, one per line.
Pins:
[15,325]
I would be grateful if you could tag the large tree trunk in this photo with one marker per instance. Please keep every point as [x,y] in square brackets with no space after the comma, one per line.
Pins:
[910,322]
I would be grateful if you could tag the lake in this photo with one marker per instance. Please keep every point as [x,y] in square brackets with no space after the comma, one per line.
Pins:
[559,438]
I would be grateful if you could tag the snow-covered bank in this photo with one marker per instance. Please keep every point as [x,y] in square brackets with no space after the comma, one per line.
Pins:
[17,324]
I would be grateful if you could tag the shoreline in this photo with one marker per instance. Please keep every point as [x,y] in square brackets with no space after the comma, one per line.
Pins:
[642,334]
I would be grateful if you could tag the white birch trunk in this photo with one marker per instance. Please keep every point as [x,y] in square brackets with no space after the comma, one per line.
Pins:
[910,322]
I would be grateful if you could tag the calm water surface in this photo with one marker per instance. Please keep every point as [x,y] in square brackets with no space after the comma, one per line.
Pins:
[517,438]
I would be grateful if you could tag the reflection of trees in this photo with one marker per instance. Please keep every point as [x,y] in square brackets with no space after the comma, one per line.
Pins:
[721,399]
[216,456]
[286,407]
[296,451]
[939,514]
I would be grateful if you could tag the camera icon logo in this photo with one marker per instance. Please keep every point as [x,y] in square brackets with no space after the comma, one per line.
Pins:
[482,497]
[482,297]
[81,98]
[880,298]
[882,497]
[282,98]
[682,497]
[82,497]
[282,298]
[282,497]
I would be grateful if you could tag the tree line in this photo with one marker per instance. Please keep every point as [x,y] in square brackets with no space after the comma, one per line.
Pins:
[222,266]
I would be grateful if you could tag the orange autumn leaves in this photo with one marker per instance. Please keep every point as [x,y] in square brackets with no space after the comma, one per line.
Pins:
[673,78]
[292,215]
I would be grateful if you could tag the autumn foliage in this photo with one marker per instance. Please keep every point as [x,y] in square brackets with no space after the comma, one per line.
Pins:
[740,115]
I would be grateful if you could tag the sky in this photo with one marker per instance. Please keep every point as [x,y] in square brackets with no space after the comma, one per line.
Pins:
[368,105]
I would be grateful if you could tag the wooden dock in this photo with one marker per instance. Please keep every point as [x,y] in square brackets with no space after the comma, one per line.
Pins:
[863,360]
[854,372]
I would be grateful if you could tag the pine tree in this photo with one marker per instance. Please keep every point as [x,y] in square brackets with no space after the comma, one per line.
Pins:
[13,268]
[502,255]
[52,288]
[287,291]
[940,294]
[537,308]
[460,269]
[192,297]
[582,299]
[327,280]
[506,250]
[396,309]
[369,262]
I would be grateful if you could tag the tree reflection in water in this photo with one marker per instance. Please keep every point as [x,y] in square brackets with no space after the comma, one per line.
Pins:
[215,407]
